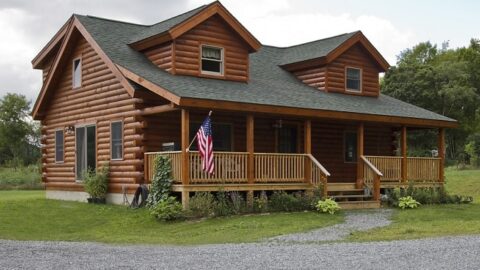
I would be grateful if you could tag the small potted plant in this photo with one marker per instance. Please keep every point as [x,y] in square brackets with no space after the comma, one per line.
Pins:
[96,185]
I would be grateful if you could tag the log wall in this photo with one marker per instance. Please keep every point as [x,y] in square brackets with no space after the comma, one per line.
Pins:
[355,57]
[161,56]
[331,77]
[100,100]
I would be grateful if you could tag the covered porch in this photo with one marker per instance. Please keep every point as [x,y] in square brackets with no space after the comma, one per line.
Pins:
[281,152]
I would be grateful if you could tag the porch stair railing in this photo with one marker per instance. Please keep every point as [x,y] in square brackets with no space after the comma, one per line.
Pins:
[371,178]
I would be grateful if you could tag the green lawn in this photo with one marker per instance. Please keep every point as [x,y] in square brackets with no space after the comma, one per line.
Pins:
[25,215]
[435,220]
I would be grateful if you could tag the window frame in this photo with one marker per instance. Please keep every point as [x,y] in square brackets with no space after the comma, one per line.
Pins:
[222,60]
[63,146]
[122,129]
[79,59]
[360,90]
[345,146]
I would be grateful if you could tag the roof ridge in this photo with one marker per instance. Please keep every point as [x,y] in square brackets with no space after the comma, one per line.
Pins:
[308,42]
[109,20]
[176,16]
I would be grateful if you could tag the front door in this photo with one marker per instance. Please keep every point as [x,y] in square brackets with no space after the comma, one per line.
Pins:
[85,154]
[287,138]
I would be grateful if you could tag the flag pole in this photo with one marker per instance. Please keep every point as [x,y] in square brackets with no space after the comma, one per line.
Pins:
[196,134]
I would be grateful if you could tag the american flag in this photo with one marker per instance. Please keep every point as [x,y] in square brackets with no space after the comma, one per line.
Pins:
[205,145]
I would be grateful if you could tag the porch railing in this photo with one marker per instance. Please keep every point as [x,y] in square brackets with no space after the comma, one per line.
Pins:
[232,168]
[418,169]
[371,177]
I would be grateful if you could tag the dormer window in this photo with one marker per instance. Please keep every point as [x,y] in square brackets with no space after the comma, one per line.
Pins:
[77,73]
[212,60]
[353,79]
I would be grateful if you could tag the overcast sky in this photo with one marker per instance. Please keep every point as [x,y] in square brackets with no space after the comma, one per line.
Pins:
[26,25]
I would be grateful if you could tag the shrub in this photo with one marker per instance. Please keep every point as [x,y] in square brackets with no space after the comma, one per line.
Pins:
[161,182]
[260,204]
[202,204]
[407,202]
[167,209]
[96,183]
[222,205]
[327,206]
[432,195]
[282,201]
[238,202]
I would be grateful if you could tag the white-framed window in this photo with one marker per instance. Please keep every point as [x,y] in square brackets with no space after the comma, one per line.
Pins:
[59,146]
[212,60]
[116,140]
[353,80]
[77,73]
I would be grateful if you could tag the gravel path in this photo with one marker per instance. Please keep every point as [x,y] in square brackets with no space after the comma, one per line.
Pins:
[440,253]
[354,221]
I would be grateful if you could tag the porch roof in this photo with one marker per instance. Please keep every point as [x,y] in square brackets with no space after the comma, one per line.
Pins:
[268,84]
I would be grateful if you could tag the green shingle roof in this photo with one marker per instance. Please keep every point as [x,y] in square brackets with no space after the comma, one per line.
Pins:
[268,84]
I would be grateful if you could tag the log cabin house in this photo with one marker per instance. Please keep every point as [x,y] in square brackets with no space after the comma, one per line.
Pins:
[284,118]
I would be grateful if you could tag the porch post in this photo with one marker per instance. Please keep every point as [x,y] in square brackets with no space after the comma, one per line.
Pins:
[307,145]
[360,147]
[250,150]
[185,123]
[403,142]
[441,153]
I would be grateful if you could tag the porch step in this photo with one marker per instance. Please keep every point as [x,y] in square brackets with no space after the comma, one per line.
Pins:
[359,204]
[351,196]
[341,186]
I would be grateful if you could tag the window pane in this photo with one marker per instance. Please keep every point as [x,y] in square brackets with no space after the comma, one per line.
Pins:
[211,53]
[212,66]
[91,147]
[77,73]
[353,79]
[351,147]
[117,139]
[287,140]
[59,146]
[222,136]
[80,151]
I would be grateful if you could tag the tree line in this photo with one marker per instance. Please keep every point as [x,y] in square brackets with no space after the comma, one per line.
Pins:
[446,81]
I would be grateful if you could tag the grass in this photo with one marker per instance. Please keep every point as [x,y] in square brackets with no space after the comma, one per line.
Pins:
[26,177]
[435,220]
[25,215]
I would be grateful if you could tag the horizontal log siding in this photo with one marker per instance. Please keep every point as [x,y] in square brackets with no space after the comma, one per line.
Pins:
[328,147]
[46,68]
[100,100]
[356,57]
[214,31]
[314,77]
[161,56]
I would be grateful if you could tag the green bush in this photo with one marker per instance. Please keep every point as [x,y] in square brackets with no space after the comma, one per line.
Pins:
[27,177]
[327,206]
[167,209]
[407,202]
[260,204]
[425,195]
[161,182]
[282,201]
[222,205]
[96,183]
[238,202]
[202,204]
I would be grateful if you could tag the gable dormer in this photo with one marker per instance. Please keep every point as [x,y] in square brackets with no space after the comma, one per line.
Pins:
[346,64]
[210,43]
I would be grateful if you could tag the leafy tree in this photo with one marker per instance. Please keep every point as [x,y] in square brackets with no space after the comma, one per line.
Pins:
[19,135]
[442,81]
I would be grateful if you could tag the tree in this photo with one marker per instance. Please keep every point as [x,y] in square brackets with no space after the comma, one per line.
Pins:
[441,81]
[18,133]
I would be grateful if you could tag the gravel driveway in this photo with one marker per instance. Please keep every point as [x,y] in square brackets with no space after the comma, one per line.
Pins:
[440,253]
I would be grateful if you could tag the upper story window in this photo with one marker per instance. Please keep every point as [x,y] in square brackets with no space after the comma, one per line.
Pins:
[212,60]
[353,79]
[77,73]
